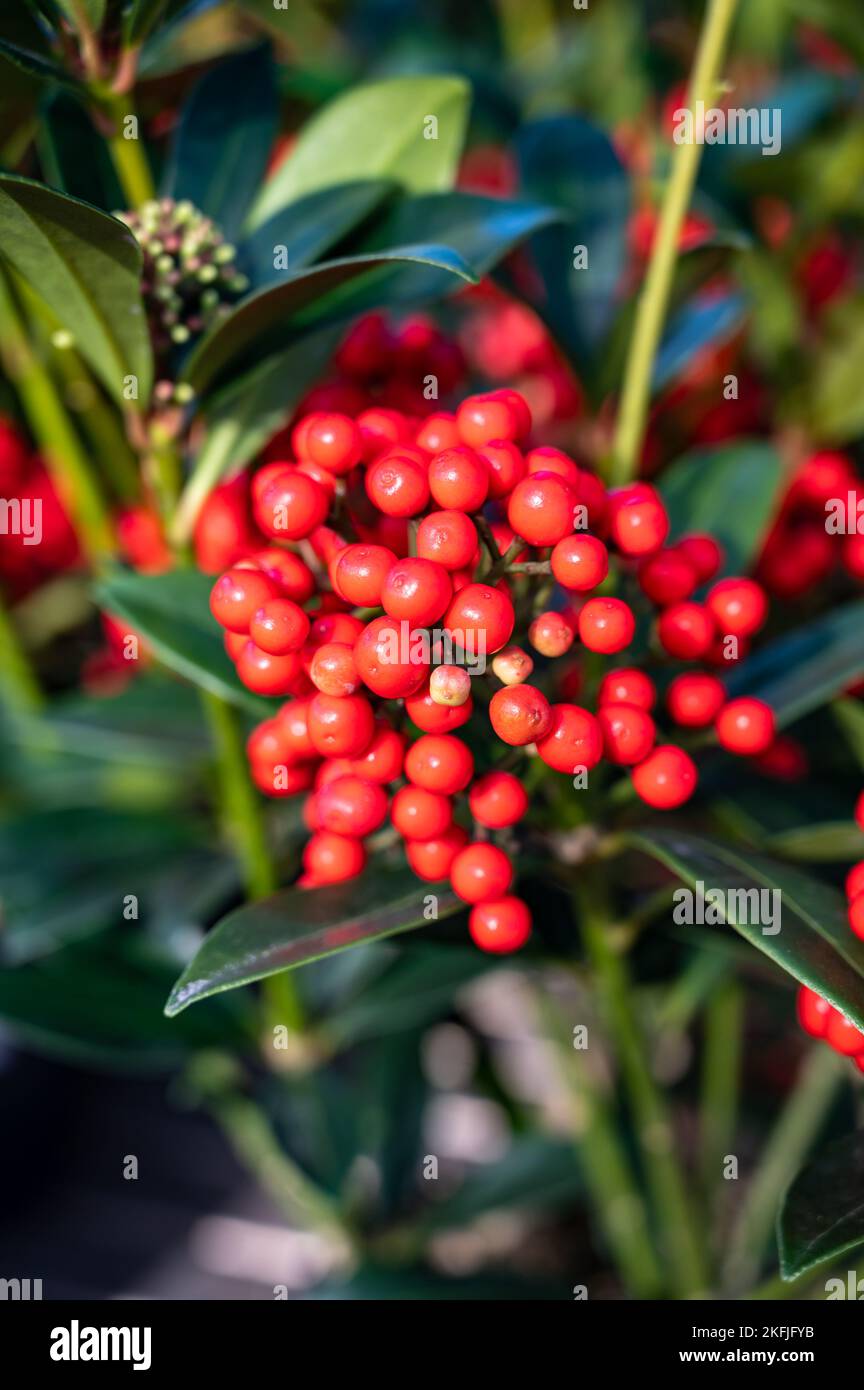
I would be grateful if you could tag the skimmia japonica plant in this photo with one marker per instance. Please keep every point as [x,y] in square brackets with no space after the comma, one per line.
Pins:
[430,626]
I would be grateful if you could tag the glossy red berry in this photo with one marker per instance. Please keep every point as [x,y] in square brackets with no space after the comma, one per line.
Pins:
[279,626]
[855,880]
[329,858]
[388,664]
[238,594]
[745,725]
[293,576]
[639,524]
[440,763]
[340,726]
[739,606]
[856,915]
[813,1012]
[360,573]
[628,733]
[666,779]
[459,479]
[432,859]
[480,871]
[384,758]
[497,800]
[667,577]
[266,673]
[291,506]
[437,433]
[859,811]
[541,509]
[703,553]
[843,1035]
[574,739]
[500,925]
[397,486]
[419,814]
[351,805]
[449,538]
[417,590]
[433,717]
[580,563]
[520,714]
[329,439]
[695,699]
[627,686]
[686,630]
[333,669]
[506,466]
[482,419]
[479,620]
[606,625]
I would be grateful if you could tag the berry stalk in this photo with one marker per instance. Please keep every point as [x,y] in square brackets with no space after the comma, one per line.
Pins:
[654,298]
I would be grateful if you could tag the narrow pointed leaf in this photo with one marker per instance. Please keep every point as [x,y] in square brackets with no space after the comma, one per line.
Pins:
[304,231]
[823,1211]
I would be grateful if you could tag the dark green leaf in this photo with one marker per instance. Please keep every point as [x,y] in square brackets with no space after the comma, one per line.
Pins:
[92,11]
[74,157]
[823,1211]
[86,266]
[172,613]
[37,65]
[536,1172]
[418,987]
[224,139]
[814,943]
[849,714]
[375,131]
[706,320]
[807,668]
[301,925]
[303,231]
[267,321]
[481,230]
[834,843]
[732,491]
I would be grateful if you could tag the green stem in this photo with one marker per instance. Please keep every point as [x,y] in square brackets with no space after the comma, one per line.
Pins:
[128,156]
[64,455]
[210,467]
[605,1164]
[688,1271]
[791,1139]
[654,298]
[721,1065]
[18,682]
[100,425]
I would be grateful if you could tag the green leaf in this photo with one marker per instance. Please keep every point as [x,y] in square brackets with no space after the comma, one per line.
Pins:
[814,943]
[334,290]
[807,668]
[732,491]
[224,139]
[86,267]
[849,714]
[301,925]
[481,230]
[536,1173]
[823,1211]
[142,16]
[418,987]
[99,1002]
[302,232]
[375,131]
[73,156]
[37,65]
[834,405]
[836,842]
[93,11]
[172,613]
[65,874]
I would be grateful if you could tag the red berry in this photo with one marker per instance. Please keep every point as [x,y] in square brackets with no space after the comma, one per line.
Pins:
[380,430]
[265,744]
[329,439]
[627,686]
[856,915]
[279,626]
[384,663]
[628,733]
[294,577]
[745,726]
[859,811]
[639,525]
[351,805]
[580,563]
[498,800]
[360,573]
[482,419]
[450,538]
[333,669]
[855,880]
[384,758]
[330,858]
[432,859]
[480,620]
[480,871]
[541,509]
[434,718]
[813,1012]
[397,486]
[293,722]
[437,433]
[574,739]
[551,634]
[666,779]
[703,553]
[739,606]
[667,577]
[459,479]
[500,925]
[291,506]
[606,625]
[843,1035]
[236,597]
[281,779]
[266,673]
[520,714]
[417,590]
[549,460]
[695,699]
[340,726]
[419,814]
[440,763]
[686,630]
[505,464]
[334,627]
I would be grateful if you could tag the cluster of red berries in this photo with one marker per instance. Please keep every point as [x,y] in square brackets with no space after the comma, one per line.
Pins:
[458,531]
[800,551]
[44,542]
